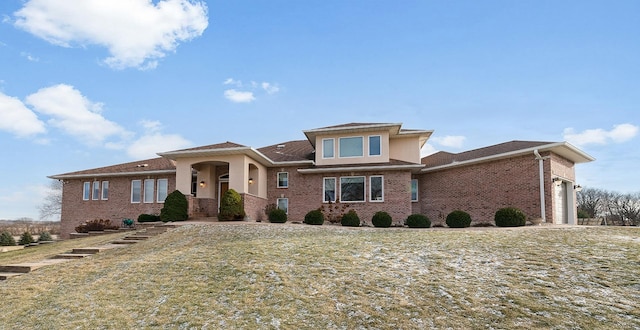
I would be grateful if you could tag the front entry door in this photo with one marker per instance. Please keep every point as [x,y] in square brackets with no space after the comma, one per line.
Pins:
[224,186]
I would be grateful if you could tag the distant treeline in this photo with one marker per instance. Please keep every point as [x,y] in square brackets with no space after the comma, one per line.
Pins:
[19,227]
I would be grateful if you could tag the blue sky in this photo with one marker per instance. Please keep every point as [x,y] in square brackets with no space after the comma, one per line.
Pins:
[100,82]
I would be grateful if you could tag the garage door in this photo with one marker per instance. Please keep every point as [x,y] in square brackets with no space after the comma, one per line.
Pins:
[560,212]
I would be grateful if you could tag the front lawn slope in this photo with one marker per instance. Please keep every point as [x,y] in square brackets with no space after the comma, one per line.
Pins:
[295,276]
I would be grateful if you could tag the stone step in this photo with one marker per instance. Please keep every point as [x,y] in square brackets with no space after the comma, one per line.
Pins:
[126,241]
[28,267]
[6,276]
[137,237]
[89,250]
[72,255]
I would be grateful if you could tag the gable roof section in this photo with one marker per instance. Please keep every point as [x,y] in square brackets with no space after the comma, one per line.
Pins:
[395,130]
[292,151]
[441,160]
[148,166]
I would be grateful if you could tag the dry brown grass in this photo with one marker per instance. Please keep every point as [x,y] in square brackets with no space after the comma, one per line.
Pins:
[328,277]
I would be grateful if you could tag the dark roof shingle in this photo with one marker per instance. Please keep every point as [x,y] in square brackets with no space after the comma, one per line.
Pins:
[444,158]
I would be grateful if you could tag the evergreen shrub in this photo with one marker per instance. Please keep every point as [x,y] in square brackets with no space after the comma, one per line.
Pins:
[26,239]
[277,216]
[231,206]
[314,217]
[381,219]
[148,218]
[176,207]
[6,239]
[350,219]
[510,217]
[418,221]
[458,219]
[44,236]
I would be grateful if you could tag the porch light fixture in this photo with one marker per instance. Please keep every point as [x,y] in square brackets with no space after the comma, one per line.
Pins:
[577,187]
[250,180]
[557,181]
[202,183]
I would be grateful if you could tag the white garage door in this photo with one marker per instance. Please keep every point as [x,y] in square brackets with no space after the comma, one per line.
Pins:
[560,212]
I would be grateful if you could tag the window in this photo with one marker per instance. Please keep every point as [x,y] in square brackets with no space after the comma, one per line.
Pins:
[352,189]
[328,148]
[86,191]
[351,146]
[96,191]
[414,190]
[376,188]
[283,179]
[105,190]
[374,146]
[283,204]
[163,188]
[136,191]
[329,190]
[148,190]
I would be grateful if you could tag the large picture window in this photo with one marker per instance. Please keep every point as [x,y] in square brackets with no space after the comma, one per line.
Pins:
[136,191]
[328,148]
[329,190]
[376,188]
[105,190]
[375,148]
[163,187]
[283,179]
[351,146]
[149,190]
[352,189]
[86,191]
[414,190]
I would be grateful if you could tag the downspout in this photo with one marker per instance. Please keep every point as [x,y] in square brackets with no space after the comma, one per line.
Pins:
[541,166]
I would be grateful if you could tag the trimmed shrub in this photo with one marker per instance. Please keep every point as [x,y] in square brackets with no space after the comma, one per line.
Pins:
[6,239]
[44,236]
[314,217]
[95,225]
[148,218]
[510,217]
[231,206]
[381,219]
[458,219]
[418,221]
[350,219]
[278,216]
[176,207]
[26,239]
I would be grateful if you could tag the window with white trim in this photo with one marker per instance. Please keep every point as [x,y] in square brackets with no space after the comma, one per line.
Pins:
[329,189]
[136,191]
[328,148]
[96,191]
[105,191]
[414,190]
[149,190]
[351,146]
[376,188]
[352,189]
[283,179]
[283,204]
[375,145]
[86,191]
[163,190]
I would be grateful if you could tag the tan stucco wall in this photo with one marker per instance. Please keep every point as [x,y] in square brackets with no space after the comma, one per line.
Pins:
[405,149]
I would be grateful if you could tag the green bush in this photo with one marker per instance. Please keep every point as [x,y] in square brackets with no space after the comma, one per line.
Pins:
[176,207]
[381,219]
[458,219]
[6,239]
[26,239]
[44,236]
[350,219]
[95,225]
[231,206]
[510,217]
[148,218]
[314,217]
[418,221]
[278,216]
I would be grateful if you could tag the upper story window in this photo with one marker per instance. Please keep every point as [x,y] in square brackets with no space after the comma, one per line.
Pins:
[328,147]
[136,191]
[86,191]
[351,146]
[163,187]
[375,145]
[283,179]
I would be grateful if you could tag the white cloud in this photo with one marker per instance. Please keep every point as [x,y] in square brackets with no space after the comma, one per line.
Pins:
[16,118]
[427,150]
[453,141]
[270,88]
[618,134]
[231,81]
[136,32]
[239,96]
[154,141]
[29,57]
[74,114]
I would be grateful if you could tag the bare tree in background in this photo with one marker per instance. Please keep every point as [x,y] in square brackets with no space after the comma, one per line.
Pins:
[614,207]
[52,206]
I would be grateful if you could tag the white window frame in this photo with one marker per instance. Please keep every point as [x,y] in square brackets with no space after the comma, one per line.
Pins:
[364,189]
[86,191]
[95,192]
[160,183]
[286,181]
[324,191]
[286,204]
[139,182]
[332,149]
[417,190]
[148,185]
[348,138]
[379,146]
[381,188]
[104,194]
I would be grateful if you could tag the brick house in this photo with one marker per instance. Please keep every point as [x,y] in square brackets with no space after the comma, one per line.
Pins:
[367,167]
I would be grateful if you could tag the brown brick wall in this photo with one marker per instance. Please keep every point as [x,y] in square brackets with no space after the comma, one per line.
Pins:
[76,211]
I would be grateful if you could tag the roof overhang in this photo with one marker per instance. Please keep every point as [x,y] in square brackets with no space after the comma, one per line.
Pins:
[313,133]
[112,174]
[564,149]
[368,168]
[246,151]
